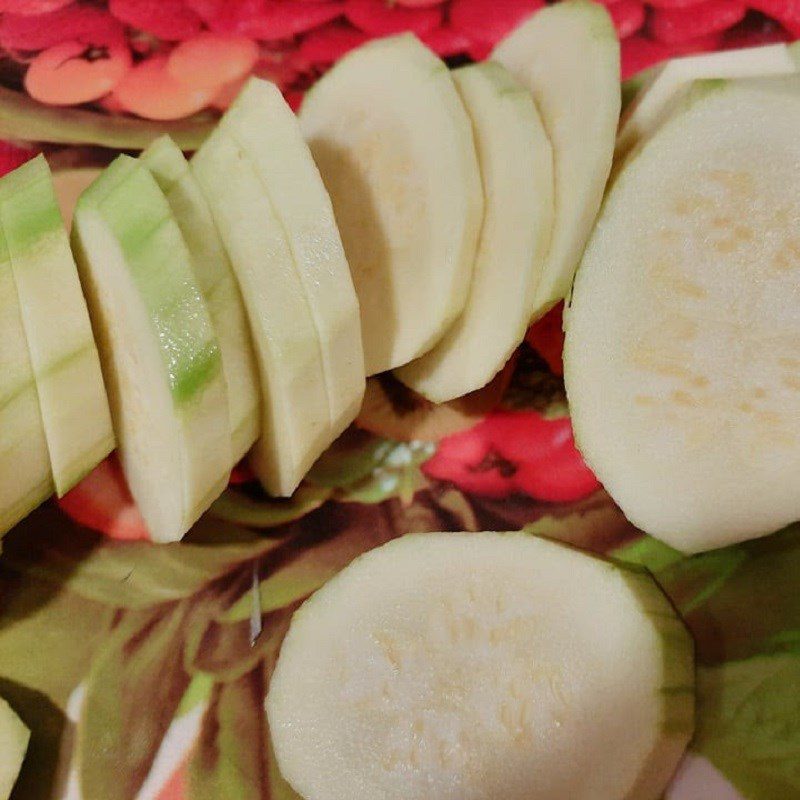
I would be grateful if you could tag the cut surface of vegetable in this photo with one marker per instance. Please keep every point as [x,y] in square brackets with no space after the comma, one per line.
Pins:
[681,351]
[66,367]
[14,737]
[267,130]
[157,345]
[567,54]
[482,665]
[217,282]
[26,479]
[517,172]
[658,95]
[295,421]
[395,149]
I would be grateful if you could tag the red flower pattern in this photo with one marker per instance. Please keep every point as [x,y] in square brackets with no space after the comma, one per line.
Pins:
[511,452]
[304,37]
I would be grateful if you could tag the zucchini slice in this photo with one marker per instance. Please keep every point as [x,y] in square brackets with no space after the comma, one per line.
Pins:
[517,171]
[63,354]
[217,282]
[395,149]
[158,348]
[483,666]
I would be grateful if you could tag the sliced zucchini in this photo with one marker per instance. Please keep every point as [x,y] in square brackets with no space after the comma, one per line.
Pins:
[26,479]
[653,101]
[157,346]
[567,54]
[14,738]
[681,357]
[517,171]
[482,666]
[267,130]
[395,149]
[295,421]
[66,367]
[217,282]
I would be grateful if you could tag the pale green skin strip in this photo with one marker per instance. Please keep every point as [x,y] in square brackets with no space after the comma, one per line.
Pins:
[160,353]
[14,738]
[25,475]
[517,172]
[568,56]
[217,282]
[677,693]
[266,129]
[127,196]
[72,396]
[295,426]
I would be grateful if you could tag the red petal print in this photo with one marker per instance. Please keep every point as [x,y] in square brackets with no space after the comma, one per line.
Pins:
[558,481]
[488,21]
[674,26]
[546,336]
[418,3]
[383,18]
[628,17]
[526,437]
[638,53]
[328,44]
[668,4]
[269,20]
[767,33]
[32,7]
[102,502]
[210,60]
[446,41]
[68,74]
[82,23]
[167,19]
[785,11]
[149,91]
[12,156]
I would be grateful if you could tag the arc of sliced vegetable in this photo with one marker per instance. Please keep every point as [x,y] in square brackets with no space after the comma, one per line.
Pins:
[27,478]
[395,150]
[66,367]
[158,349]
[483,665]
[682,335]
[218,284]
[652,103]
[263,124]
[295,420]
[568,56]
[516,164]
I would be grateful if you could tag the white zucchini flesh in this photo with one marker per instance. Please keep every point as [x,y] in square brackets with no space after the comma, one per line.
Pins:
[295,421]
[482,665]
[395,149]
[567,54]
[516,164]
[218,284]
[26,478]
[157,346]
[268,131]
[14,738]
[652,103]
[66,367]
[681,355]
